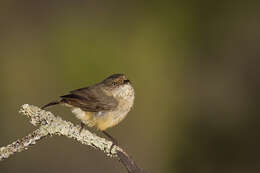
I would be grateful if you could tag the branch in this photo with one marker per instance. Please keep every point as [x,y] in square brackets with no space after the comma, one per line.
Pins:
[51,125]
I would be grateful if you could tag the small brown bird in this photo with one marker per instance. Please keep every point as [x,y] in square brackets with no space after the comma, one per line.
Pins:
[102,105]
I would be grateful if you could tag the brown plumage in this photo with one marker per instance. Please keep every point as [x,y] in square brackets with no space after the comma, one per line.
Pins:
[103,105]
[90,99]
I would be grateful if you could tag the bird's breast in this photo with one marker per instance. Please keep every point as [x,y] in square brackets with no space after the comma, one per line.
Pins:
[125,97]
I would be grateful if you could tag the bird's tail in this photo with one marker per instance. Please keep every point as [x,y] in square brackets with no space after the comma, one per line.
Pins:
[51,104]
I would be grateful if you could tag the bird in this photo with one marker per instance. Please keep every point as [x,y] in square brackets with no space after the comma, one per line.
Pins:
[102,105]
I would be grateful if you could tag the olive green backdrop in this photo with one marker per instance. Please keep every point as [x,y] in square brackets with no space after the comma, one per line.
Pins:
[194,66]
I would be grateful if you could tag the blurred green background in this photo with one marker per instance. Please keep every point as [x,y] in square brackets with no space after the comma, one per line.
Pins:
[194,66]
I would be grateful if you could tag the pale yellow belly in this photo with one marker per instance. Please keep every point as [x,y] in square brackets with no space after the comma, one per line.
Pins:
[101,122]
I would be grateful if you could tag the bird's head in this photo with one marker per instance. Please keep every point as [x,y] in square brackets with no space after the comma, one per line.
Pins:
[116,80]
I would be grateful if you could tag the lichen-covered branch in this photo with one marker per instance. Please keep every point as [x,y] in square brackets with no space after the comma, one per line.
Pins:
[52,125]
[21,144]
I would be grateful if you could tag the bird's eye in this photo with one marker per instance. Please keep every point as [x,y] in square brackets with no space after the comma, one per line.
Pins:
[114,83]
[126,81]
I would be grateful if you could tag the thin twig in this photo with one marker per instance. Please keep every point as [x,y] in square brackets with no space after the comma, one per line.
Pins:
[52,125]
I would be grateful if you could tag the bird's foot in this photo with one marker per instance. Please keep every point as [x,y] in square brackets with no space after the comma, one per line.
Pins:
[82,126]
[114,141]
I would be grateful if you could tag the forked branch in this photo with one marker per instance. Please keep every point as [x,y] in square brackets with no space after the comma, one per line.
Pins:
[50,125]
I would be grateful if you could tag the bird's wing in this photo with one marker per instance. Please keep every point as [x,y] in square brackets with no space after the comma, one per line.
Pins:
[90,99]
